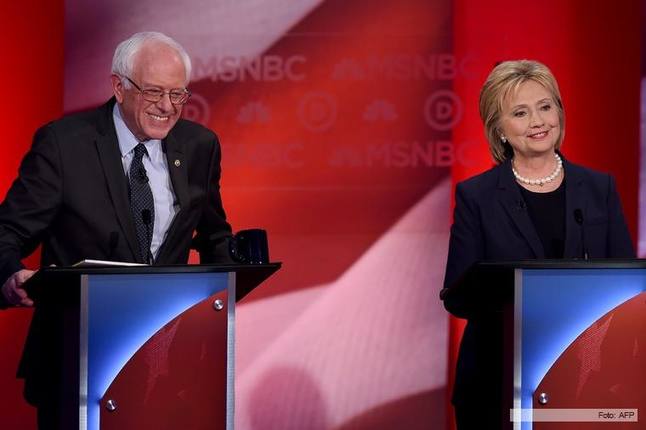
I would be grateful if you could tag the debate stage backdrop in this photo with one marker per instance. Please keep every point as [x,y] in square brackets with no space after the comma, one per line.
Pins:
[344,126]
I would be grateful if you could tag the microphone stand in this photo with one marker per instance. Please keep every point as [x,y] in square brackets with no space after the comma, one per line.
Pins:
[146,218]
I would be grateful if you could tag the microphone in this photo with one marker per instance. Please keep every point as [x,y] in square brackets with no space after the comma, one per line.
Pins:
[146,217]
[113,242]
[578,217]
[141,175]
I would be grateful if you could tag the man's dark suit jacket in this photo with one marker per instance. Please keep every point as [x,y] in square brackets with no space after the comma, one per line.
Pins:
[71,195]
[491,222]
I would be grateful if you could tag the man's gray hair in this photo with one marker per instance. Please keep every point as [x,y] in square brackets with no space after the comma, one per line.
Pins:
[124,55]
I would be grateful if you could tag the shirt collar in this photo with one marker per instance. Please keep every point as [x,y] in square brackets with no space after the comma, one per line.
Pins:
[127,140]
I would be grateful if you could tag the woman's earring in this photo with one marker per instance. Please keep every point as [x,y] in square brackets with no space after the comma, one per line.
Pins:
[503,138]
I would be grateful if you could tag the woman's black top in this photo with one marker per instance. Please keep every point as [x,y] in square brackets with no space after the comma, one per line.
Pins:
[547,212]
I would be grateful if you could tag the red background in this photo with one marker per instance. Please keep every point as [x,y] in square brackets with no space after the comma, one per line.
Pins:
[593,49]
[32,76]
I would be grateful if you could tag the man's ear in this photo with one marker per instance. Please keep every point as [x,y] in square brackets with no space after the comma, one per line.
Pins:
[117,87]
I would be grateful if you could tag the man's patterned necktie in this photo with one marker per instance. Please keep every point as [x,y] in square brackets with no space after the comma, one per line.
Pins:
[142,203]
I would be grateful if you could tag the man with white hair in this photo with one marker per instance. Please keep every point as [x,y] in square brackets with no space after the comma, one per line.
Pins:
[129,181]
[76,187]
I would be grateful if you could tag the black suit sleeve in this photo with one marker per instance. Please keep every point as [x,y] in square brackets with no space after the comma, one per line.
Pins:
[619,242]
[213,232]
[466,246]
[31,202]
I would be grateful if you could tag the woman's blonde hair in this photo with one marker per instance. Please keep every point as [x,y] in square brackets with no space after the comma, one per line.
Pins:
[504,80]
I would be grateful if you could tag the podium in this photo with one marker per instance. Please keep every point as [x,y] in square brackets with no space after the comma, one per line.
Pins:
[574,336]
[136,347]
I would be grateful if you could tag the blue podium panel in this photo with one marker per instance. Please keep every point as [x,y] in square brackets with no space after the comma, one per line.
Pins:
[121,312]
[552,308]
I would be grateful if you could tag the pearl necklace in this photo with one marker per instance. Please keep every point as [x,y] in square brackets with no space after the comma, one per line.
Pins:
[540,181]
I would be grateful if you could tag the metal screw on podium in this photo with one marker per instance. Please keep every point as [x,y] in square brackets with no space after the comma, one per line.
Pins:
[111,405]
[218,305]
[543,398]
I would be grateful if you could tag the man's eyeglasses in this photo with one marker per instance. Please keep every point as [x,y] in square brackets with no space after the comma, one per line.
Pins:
[178,96]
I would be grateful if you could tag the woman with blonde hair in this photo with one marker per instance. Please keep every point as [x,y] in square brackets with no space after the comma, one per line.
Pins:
[532,205]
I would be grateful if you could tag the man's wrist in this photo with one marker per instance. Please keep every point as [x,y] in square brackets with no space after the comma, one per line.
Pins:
[4,304]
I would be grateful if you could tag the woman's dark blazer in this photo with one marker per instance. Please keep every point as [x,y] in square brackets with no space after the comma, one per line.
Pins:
[491,222]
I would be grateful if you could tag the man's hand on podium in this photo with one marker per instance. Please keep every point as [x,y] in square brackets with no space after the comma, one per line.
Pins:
[12,290]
